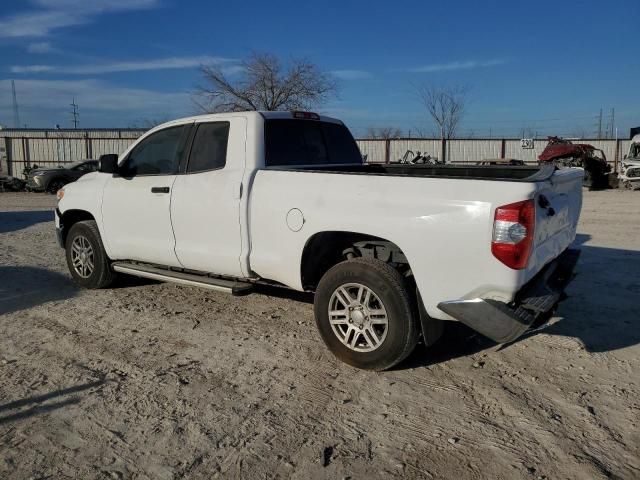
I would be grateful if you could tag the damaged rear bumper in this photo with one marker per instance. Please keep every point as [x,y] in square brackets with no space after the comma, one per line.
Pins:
[504,322]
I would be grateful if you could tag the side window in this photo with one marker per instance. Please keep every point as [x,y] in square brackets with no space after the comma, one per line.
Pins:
[158,154]
[209,150]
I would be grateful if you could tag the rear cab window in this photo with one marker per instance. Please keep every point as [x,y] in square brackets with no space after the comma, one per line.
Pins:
[209,150]
[290,142]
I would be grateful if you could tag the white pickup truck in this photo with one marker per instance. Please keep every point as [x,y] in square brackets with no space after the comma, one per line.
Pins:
[228,201]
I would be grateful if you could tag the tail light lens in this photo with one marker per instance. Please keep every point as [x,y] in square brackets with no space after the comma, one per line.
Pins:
[513,228]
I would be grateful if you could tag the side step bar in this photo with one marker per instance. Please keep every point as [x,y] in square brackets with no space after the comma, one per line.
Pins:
[164,275]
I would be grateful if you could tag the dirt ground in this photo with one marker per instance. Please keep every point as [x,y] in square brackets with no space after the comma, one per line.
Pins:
[158,381]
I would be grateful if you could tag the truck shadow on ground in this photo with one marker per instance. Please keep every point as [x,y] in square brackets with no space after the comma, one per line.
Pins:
[600,310]
[22,288]
[13,221]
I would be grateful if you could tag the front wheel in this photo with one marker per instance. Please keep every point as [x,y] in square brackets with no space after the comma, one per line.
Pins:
[364,314]
[86,258]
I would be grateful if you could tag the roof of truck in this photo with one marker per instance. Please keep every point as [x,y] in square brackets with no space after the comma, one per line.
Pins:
[264,114]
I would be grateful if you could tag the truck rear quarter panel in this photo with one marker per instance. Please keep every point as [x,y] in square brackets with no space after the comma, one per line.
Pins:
[440,225]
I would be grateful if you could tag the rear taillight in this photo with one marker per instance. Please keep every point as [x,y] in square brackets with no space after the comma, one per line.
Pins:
[513,227]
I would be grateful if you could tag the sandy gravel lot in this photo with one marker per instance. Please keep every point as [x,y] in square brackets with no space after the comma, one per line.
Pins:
[157,381]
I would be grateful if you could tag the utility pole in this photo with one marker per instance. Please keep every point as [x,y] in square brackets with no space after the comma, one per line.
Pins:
[74,113]
[613,121]
[16,113]
[600,125]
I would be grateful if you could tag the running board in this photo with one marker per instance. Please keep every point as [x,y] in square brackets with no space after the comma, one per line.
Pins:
[164,275]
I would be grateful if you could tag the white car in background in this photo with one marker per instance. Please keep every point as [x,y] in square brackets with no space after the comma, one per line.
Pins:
[630,167]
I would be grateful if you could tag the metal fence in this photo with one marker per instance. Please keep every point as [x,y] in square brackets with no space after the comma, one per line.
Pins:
[20,148]
[475,150]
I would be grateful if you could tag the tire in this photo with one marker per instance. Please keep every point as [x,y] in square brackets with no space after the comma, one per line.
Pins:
[84,237]
[55,185]
[348,335]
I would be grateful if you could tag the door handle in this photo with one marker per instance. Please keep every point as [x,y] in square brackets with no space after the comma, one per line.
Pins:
[159,189]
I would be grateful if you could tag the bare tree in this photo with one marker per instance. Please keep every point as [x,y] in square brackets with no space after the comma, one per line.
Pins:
[446,106]
[383,133]
[263,83]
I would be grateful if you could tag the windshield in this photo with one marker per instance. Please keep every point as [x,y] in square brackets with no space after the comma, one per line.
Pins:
[308,142]
[634,150]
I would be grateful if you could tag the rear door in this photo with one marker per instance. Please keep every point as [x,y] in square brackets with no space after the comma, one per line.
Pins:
[136,201]
[558,204]
[205,203]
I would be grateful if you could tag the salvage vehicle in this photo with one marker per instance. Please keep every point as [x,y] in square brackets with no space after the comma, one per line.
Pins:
[52,179]
[629,175]
[563,153]
[231,201]
[11,184]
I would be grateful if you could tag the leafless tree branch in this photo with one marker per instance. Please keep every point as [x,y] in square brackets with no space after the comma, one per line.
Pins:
[263,83]
[384,133]
[445,106]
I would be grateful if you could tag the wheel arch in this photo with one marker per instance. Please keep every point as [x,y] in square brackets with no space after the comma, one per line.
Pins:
[325,249]
[70,218]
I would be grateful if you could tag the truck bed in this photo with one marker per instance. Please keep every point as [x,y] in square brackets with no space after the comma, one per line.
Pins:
[472,172]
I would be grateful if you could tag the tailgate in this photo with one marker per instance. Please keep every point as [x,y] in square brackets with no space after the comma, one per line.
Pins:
[558,203]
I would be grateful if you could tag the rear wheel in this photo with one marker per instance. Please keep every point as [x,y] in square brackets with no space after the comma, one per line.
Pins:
[364,313]
[86,258]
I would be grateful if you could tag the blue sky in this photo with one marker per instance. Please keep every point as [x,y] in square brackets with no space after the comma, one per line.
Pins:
[543,66]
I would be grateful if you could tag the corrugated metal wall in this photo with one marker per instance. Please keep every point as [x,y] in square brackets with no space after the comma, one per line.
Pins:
[398,148]
[25,148]
[463,151]
[54,147]
[475,150]
[373,150]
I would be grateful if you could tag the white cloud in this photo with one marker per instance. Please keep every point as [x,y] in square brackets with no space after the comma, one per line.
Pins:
[351,74]
[468,65]
[55,14]
[31,69]
[39,47]
[134,66]
[55,95]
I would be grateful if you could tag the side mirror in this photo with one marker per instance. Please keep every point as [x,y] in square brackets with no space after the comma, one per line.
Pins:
[108,163]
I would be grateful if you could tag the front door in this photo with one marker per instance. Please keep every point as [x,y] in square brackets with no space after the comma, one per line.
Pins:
[136,201]
[205,203]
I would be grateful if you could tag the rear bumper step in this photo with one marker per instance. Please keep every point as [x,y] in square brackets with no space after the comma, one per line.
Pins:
[503,322]
[165,275]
